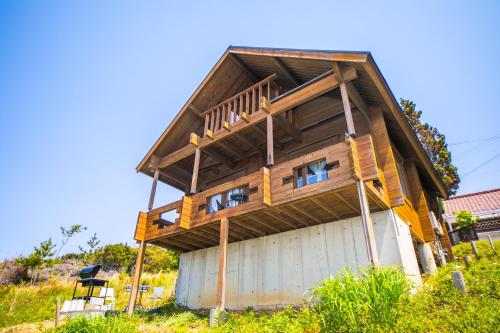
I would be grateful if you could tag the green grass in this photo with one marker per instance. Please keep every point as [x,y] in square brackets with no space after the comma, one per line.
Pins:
[374,301]
[32,303]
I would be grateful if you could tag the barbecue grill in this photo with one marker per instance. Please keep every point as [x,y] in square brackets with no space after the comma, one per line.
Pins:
[87,280]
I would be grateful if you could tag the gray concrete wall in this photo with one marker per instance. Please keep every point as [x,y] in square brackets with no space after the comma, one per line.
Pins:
[279,269]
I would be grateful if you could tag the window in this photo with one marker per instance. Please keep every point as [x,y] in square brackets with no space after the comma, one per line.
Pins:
[311,173]
[231,198]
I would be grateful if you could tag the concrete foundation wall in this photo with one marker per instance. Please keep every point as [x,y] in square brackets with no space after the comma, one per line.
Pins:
[279,269]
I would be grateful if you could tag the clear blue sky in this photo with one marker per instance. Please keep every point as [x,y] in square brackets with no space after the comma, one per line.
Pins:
[86,87]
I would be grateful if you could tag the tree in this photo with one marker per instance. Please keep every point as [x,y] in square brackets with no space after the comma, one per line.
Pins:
[465,219]
[434,144]
[68,233]
[92,243]
[40,257]
[119,257]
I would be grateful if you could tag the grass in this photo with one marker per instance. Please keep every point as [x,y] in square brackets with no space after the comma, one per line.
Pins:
[32,303]
[374,301]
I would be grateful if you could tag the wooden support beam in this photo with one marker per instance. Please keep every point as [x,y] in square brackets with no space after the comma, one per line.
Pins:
[246,141]
[345,100]
[325,207]
[137,277]
[199,239]
[196,168]
[285,71]
[179,244]
[219,157]
[294,132]
[338,195]
[305,213]
[250,228]
[181,184]
[233,150]
[263,134]
[278,218]
[205,234]
[265,224]
[294,217]
[180,173]
[221,274]
[244,68]
[153,189]
[270,141]
[357,100]
[371,246]
[196,111]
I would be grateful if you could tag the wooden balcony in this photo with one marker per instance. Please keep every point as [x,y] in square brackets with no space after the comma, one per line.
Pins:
[275,203]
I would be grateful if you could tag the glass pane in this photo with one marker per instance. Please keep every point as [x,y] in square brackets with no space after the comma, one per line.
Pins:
[316,172]
[215,203]
[236,196]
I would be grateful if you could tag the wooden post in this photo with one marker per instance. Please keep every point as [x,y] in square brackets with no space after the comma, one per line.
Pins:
[221,275]
[196,168]
[58,312]
[468,261]
[474,249]
[270,143]
[458,281]
[137,276]
[153,189]
[371,246]
[491,244]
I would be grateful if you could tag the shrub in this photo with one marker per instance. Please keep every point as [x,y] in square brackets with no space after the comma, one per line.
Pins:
[11,271]
[465,219]
[158,259]
[368,301]
[118,257]
[109,324]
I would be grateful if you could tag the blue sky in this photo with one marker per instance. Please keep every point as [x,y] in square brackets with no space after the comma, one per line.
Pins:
[86,87]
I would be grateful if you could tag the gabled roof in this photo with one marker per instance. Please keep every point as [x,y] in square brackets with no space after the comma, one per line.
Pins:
[241,66]
[478,203]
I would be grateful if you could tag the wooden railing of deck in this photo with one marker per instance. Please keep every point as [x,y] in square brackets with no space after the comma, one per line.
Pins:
[240,106]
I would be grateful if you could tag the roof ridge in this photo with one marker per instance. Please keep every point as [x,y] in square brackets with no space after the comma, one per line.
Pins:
[473,194]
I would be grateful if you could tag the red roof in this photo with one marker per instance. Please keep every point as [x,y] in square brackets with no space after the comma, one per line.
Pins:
[479,202]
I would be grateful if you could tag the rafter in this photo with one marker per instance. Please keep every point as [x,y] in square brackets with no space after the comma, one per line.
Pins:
[263,135]
[346,202]
[357,100]
[285,71]
[237,61]
[219,156]
[294,132]
[233,150]
[303,212]
[319,203]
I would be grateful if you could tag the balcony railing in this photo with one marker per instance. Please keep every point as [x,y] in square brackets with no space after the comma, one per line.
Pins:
[240,106]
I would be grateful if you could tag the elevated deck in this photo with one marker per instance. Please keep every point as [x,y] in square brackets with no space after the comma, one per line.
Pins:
[274,203]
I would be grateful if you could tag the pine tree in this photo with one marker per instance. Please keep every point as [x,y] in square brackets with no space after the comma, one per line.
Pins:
[434,144]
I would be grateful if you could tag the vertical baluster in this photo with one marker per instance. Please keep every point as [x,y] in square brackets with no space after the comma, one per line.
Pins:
[269,90]
[217,119]
[212,120]
[247,103]
[235,107]
[207,120]
[241,104]
[253,101]
[224,114]
[229,113]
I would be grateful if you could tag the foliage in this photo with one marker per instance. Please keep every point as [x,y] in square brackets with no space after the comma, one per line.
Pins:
[434,144]
[465,219]
[360,302]
[67,233]
[157,259]
[11,271]
[92,243]
[109,324]
[118,257]
[40,257]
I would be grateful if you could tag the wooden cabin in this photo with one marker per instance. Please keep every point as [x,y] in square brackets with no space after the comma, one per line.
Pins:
[294,164]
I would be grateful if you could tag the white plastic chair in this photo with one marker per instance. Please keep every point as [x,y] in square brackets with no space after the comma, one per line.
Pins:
[157,294]
[109,293]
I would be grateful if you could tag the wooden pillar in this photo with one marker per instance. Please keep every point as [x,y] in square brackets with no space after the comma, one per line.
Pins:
[141,250]
[371,246]
[270,138]
[137,276]
[153,189]
[196,168]
[221,275]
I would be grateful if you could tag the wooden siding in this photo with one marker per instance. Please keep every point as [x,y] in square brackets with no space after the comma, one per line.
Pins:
[408,214]
[385,157]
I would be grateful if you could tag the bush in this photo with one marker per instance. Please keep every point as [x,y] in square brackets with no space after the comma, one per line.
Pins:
[11,271]
[117,257]
[109,324]
[158,259]
[367,301]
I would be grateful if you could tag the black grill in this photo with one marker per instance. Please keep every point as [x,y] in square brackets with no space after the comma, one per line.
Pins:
[89,272]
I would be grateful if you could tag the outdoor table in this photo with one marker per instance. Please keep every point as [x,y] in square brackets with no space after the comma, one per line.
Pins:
[141,290]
